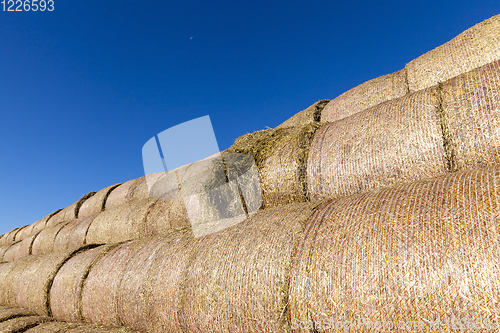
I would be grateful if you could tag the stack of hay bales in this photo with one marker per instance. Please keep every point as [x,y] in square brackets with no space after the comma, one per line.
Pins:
[281,156]
[366,95]
[385,218]
[449,127]
[415,253]
[471,49]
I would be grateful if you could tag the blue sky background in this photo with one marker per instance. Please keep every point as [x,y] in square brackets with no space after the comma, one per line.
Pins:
[82,88]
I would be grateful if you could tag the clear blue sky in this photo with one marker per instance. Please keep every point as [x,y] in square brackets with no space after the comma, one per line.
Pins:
[82,88]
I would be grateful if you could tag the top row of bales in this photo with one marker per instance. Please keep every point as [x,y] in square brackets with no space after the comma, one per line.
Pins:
[471,49]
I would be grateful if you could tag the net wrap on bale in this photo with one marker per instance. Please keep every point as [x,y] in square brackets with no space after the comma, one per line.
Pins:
[475,47]
[396,141]
[366,95]
[238,278]
[420,252]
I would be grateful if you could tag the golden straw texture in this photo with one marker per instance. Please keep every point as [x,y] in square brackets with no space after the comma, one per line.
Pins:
[475,47]
[396,141]
[310,115]
[366,95]
[95,204]
[414,253]
[34,284]
[66,291]
[100,289]
[119,223]
[471,104]
[238,279]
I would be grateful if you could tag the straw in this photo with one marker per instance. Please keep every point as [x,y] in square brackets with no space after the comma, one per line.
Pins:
[100,289]
[310,115]
[36,281]
[238,279]
[44,242]
[475,47]
[366,95]
[418,252]
[471,104]
[96,203]
[22,324]
[66,291]
[396,141]
[120,223]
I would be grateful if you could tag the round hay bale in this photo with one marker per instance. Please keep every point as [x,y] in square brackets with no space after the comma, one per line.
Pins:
[9,236]
[10,276]
[471,107]
[100,288]
[166,215]
[310,115]
[475,47]
[12,252]
[25,232]
[140,189]
[36,281]
[120,223]
[44,242]
[118,196]
[25,247]
[53,327]
[72,235]
[5,269]
[3,249]
[96,203]
[164,303]
[20,234]
[138,283]
[366,95]
[7,312]
[41,224]
[91,328]
[238,279]
[66,290]
[22,324]
[397,141]
[69,213]
[280,156]
[211,201]
[420,252]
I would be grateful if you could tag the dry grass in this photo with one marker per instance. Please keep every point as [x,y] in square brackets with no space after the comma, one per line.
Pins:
[118,196]
[21,324]
[238,278]
[66,291]
[34,284]
[366,95]
[419,251]
[310,115]
[7,312]
[96,203]
[473,48]
[12,252]
[471,104]
[44,242]
[396,141]
[100,289]
[138,284]
[119,224]
[280,156]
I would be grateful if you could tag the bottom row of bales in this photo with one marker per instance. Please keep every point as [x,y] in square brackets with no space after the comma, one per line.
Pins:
[14,320]
[424,253]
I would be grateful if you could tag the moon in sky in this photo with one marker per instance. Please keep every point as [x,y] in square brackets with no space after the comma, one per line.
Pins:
[191,38]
